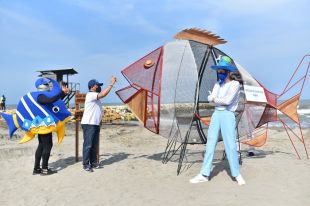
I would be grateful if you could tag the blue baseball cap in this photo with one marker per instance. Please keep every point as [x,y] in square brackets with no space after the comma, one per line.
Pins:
[226,64]
[42,81]
[94,82]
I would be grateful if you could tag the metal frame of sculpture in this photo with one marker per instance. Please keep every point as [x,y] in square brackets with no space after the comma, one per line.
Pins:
[169,88]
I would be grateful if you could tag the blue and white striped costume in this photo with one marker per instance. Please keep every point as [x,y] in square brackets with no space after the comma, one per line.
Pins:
[36,118]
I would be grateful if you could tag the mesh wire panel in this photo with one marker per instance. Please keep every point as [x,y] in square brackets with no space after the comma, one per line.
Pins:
[141,76]
[246,77]
[137,74]
[269,115]
[179,78]
[199,51]
[194,136]
[156,111]
[185,90]
[126,93]
[253,111]
[271,97]
[250,119]
[208,79]
[258,137]
[218,53]
[173,52]
[152,113]
[157,76]
[152,120]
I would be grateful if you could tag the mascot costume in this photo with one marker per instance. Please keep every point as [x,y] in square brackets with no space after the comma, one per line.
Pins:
[40,112]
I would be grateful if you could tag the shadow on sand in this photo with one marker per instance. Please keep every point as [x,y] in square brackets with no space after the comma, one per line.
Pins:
[220,164]
[63,163]
[66,162]
[113,158]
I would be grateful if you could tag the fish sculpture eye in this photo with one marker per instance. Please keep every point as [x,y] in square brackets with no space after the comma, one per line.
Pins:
[148,64]
[55,109]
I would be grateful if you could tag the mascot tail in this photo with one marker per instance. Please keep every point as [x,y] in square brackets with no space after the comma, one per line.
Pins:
[10,122]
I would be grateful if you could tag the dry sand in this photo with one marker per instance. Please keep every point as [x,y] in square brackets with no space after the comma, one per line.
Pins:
[133,173]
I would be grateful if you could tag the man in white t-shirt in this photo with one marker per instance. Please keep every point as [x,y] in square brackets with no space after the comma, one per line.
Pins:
[91,122]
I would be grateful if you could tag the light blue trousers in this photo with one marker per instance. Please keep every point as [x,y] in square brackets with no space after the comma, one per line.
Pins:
[225,122]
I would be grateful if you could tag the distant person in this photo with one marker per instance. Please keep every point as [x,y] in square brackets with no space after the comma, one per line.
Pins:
[91,121]
[2,101]
[64,85]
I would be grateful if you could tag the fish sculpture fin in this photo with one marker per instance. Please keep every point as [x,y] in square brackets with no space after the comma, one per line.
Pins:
[289,108]
[200,35]
[27,137]
[9,118]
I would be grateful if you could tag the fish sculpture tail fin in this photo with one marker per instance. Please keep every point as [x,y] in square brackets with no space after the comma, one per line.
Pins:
[291,96]
[9,118]
[299,77]
[293,89]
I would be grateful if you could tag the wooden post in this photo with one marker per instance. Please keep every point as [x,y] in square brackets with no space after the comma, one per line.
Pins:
[79,99]
[77,125]
[98,148]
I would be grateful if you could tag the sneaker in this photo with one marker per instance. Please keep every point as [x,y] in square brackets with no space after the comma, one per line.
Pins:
[37,171]
[199,178]
[251,154]
[48,172]
[240,180]
[97,166]
[88,169]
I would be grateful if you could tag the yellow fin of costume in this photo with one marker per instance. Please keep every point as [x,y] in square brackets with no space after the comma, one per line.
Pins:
[43,129]
[61,127]
[61,133]
[27,137]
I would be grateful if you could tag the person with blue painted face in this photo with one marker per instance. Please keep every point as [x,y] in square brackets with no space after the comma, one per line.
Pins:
[225,96]
[91,121]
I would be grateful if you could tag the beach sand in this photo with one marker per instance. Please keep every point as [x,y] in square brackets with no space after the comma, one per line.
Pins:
[133,173]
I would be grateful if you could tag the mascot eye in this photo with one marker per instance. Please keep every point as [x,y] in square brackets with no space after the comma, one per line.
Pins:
[55,109]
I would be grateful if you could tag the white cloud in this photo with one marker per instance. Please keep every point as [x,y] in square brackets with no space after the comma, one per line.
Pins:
[29,36]
[241,7]
[233,7]
[126,13]
[106,8]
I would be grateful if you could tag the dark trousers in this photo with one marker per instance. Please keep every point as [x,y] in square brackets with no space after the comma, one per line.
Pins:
[2,106]
[43,150]
[91,140]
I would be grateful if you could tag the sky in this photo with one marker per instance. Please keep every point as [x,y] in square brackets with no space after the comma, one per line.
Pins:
[100,38]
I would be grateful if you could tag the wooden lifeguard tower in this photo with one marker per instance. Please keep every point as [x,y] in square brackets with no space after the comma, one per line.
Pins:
[58,75]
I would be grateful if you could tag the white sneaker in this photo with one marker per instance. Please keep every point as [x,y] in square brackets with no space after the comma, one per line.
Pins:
[199,178]
[240,180]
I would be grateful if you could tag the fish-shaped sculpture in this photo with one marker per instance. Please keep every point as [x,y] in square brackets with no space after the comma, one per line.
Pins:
[35,118]
[169,88]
